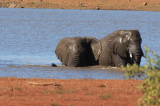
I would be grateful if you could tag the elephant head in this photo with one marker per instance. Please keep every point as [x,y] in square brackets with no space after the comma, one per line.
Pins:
[121,47]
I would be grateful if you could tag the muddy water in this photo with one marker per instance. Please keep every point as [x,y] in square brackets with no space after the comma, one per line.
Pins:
[28,38]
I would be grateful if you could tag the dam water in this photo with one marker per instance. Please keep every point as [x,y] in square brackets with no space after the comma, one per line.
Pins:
[28,38]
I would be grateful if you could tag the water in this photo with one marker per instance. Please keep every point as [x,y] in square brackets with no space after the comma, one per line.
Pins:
[30,36]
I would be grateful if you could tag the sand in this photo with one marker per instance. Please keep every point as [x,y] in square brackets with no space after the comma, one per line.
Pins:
[143,5]
[79,92]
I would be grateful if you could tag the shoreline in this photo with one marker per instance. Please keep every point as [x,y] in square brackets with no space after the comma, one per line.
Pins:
[130,5]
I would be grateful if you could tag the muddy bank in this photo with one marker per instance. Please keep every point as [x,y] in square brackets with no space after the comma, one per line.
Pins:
[145,5]
[51,92]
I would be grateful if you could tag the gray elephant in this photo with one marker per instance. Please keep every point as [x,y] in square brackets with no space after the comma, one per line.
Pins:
[119,48]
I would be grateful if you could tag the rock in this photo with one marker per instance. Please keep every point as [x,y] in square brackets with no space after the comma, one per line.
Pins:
[145,4]
[12,5]
[54,65]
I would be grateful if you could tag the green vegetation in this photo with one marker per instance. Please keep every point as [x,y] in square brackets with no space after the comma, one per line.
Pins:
[66,91]
[67,99]
[70,91]
[105,96]
[55,104]
[33,3]
[88,93]
[60,92]
[47,92]
[151,84]
[3,89]
[133,71]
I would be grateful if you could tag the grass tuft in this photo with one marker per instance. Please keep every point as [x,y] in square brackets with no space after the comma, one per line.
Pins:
[55,104]
[88,93]
[105,96]
[47,92]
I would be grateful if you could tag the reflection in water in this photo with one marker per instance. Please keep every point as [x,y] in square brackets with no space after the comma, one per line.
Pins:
[30,36]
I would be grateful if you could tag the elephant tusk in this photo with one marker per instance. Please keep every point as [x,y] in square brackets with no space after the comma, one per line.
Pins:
[130,55]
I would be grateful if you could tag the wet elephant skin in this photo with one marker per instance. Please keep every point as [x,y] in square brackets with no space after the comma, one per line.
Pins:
[119,48]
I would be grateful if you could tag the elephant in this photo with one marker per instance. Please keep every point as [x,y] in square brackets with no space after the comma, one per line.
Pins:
[117,49]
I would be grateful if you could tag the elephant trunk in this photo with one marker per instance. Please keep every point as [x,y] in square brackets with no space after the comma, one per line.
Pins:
[135,53]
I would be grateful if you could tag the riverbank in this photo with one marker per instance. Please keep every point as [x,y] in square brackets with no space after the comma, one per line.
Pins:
[143,5]
[79,92]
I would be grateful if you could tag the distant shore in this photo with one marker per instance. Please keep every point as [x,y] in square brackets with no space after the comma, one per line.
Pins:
[138,5]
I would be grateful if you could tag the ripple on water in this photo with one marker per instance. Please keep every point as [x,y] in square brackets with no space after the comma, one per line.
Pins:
[29,38]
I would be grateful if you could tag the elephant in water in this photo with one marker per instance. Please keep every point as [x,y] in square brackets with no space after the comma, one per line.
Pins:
[119,48]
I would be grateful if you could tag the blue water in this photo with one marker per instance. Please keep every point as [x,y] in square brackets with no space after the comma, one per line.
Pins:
[30,36]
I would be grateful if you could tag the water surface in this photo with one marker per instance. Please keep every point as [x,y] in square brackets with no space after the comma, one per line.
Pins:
[30,36]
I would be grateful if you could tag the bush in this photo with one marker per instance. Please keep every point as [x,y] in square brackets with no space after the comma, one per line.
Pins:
[151,84]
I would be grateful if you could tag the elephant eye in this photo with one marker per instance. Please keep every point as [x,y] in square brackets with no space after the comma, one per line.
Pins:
[139,41]
[127,41]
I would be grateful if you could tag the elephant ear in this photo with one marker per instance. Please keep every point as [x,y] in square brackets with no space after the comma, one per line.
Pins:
[121,43]
[61,50]
[95,46]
